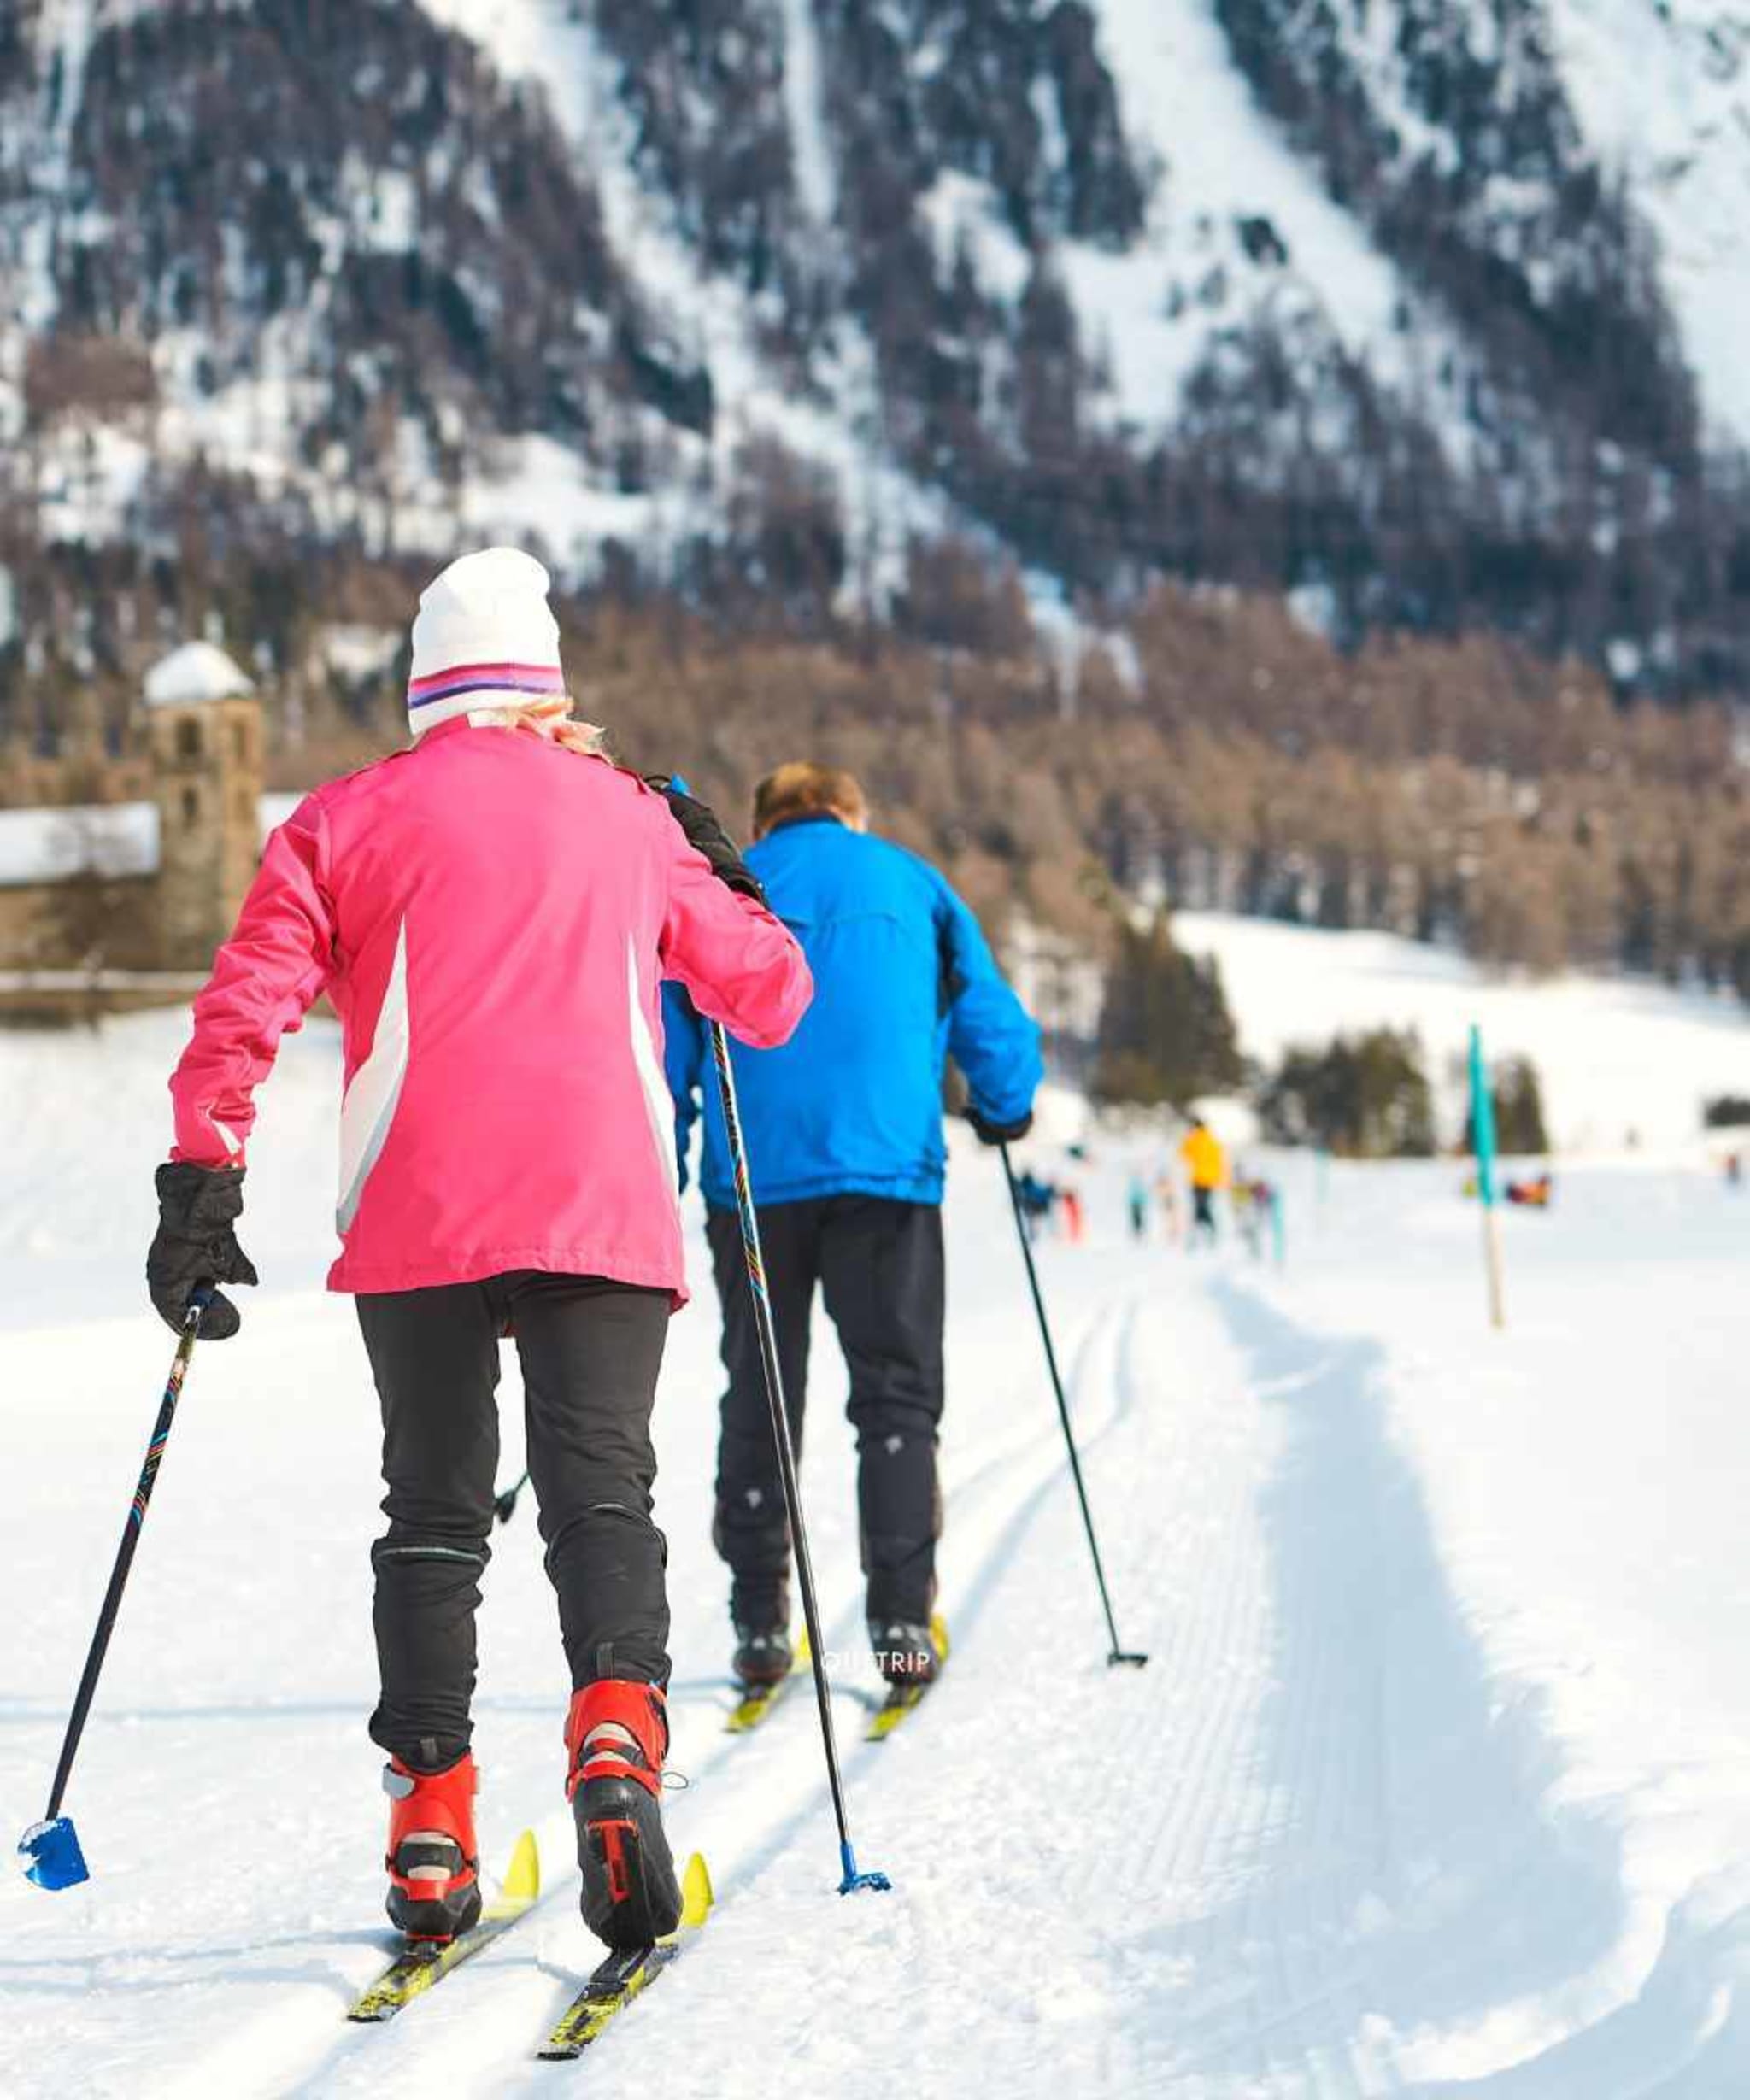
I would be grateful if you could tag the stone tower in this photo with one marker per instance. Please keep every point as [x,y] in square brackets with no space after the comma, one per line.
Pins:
[205,725]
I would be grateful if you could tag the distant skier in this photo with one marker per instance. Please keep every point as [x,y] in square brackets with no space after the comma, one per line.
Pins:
[1248,1223]
[1036,1198]
[1137,1205]
[1254,1202]
[491,913]
[1205,1162]
[1166,1194]
[844,1138]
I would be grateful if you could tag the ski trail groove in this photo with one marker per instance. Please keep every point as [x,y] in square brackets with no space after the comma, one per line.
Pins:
[770,1791]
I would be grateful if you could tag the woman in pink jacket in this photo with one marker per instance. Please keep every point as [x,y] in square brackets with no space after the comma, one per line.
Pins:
[491,913]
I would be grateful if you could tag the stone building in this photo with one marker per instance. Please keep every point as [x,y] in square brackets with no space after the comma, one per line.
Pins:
[205,726]
[150,886]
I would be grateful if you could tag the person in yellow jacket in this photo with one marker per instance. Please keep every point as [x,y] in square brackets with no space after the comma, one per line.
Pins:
[1206,1161]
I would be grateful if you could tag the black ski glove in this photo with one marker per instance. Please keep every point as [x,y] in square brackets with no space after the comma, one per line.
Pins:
[706,835]
[999,1132]
[194,1244]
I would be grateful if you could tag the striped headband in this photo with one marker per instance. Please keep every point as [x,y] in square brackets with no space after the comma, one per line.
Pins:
[545,680]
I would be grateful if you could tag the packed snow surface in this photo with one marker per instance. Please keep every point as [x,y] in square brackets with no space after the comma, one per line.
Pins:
[1623,1064]
[1434,1786]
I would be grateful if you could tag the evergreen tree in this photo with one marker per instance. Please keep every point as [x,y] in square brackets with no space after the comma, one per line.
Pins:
[1518,1110]
[1166,1033]
[1364,1097]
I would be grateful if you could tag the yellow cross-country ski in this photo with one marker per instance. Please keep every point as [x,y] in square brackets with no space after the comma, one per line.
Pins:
[420,1966]
[753,1708]
[623,1977]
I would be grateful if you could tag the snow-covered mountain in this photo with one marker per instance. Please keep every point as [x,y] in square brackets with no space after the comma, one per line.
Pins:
[1424,308]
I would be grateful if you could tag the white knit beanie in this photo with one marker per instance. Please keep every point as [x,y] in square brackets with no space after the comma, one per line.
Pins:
[484,636]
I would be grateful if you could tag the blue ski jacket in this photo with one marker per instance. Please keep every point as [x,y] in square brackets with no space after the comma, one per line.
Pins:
[903,979]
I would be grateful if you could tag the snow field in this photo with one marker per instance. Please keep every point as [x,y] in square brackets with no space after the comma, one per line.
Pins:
[1433,1785]
[1625,1065]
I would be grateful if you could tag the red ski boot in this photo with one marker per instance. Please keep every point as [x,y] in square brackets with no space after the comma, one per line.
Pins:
[433,1862]
[615,1737]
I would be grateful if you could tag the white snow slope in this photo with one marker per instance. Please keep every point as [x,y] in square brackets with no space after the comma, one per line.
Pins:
[1623,1063]
[1434,1786]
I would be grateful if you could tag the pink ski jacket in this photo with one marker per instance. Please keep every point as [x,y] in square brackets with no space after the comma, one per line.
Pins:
[491,916]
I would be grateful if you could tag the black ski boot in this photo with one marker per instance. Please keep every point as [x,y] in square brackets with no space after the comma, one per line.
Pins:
[761,1612]
[763,1656]
[906,1653]
[615,1737]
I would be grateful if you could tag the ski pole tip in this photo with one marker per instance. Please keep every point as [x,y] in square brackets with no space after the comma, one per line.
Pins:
[853,1880]
[51,1855]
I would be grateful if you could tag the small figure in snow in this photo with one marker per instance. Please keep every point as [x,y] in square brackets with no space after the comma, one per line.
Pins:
[1246,1222]
[1536,1194]
[845,1135]
[1036,1200]
[1166,1194]
[1206,1161]
[1254,1211]
[1137,1204]
[1074,1218]
[491,913]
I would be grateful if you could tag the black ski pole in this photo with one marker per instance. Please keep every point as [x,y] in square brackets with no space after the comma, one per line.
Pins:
[51,1849]
[504,1506]
[1116,1654]
[786,1453]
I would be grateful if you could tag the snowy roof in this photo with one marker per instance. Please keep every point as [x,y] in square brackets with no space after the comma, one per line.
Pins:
[194,674]
[52,845]
[108,839]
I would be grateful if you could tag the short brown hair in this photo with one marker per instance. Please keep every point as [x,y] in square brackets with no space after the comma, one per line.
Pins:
[802,788]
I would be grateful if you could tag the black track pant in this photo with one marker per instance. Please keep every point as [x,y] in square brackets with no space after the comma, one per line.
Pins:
[591,1351]
[879,1265]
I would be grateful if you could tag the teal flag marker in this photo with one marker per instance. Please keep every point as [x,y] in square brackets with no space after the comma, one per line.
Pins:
[1482,1120]
[1483,1145]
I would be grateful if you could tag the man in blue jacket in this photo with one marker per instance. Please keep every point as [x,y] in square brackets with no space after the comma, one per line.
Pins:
[845,1135]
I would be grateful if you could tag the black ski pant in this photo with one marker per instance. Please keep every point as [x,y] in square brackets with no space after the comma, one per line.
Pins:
[1203,1213]
[880,1269]
[590,1351]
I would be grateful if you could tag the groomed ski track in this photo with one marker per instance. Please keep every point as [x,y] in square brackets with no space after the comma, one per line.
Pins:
[1319,1848]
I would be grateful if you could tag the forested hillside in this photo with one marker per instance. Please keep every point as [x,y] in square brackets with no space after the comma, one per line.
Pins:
[1274,450]
[1213,752]
[1383,305]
